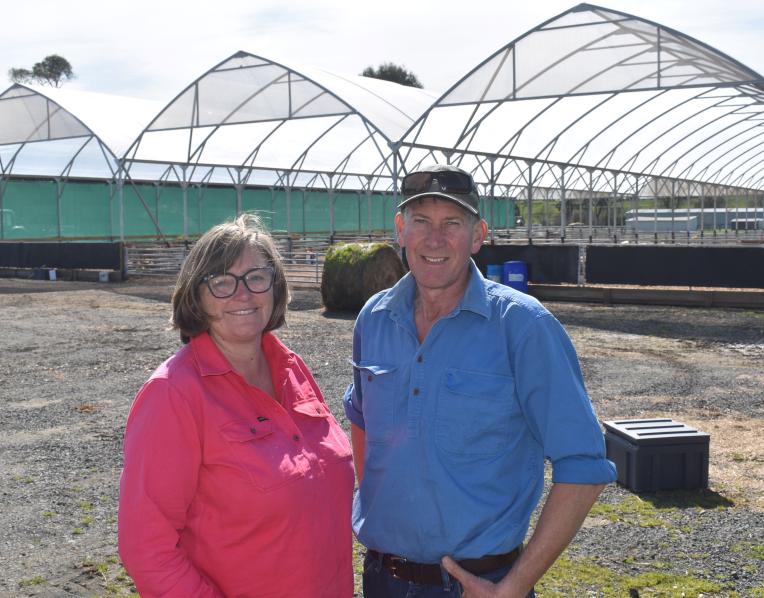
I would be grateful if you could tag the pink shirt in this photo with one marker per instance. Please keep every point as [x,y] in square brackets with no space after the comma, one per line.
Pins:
[226,492]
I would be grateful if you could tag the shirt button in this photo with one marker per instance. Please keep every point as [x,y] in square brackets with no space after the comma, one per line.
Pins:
[416,392]
[253,430]
[370,378]
[419,359]
[296,437]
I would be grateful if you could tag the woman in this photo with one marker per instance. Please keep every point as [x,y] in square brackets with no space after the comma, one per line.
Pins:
[237,479]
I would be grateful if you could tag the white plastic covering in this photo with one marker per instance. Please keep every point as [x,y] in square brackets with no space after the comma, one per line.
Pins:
[61,132]
[251,120]
[593,100]
[601,89]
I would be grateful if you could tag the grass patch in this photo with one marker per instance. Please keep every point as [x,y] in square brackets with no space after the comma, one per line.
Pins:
[114,578]
[750,550]
[683,499]
[631,509]
[34,581]
[568,577]
[358,553]
[94,568]
[651,510]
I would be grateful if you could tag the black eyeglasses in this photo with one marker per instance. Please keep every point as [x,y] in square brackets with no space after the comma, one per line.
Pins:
[448,182]
[257,280]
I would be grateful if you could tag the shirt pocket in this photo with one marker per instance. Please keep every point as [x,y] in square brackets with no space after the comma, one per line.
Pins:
[263,452]
[379,389]
[321,430]
[474,413]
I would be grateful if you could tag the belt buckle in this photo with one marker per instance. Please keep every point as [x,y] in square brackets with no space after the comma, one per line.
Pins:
[395,562]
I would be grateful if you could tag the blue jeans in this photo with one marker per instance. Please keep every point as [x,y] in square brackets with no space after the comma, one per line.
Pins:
[379,583]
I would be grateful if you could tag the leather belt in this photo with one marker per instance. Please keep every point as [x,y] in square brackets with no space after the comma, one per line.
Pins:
[430,574]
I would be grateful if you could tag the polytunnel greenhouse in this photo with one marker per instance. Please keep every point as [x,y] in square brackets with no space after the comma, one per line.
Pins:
[594,127]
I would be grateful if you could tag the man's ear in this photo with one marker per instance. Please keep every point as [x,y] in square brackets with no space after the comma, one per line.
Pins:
[399,224]
[479,233]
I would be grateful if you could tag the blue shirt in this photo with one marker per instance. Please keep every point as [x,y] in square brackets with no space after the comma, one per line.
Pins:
[458,427]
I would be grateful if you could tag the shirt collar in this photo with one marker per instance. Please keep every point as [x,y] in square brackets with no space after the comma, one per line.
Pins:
[212,362]
[400,298]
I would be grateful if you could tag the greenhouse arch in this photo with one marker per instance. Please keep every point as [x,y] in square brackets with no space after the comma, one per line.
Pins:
[595,126]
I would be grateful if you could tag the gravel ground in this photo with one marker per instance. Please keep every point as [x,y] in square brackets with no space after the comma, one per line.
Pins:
[74,354]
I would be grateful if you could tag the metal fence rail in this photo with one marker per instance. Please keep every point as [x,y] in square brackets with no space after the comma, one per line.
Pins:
[304,257]
[147,259]
[304,265]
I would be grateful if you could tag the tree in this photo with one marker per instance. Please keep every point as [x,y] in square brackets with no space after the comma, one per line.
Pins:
[20,75]
[392,72]
[52,70]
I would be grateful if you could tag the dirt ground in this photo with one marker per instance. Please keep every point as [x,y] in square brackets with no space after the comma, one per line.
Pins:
[73,355]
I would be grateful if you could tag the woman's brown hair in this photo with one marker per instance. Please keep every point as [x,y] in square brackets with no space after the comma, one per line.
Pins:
[215,252]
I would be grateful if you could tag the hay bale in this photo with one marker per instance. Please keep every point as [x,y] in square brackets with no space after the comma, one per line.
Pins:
[353,272]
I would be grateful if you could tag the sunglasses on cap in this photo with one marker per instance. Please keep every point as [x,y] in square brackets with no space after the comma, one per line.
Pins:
[448,182]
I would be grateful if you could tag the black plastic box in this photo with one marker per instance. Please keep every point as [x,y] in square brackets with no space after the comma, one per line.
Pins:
[657,454]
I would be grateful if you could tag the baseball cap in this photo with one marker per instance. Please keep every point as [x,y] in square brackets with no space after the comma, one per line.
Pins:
[444,181]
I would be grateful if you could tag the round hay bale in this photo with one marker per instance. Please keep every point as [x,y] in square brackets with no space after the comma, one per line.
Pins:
[353,272]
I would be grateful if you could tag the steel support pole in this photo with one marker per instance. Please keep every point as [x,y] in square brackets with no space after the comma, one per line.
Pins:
[239,187]
[121,207]
[507,203]
[673,206]
[368,208]
[492,198]
[331,208]
[184,193]
[591,201]
[655,212]
[563,205]
[529,216]
[111,210]
[687,214]
[273,208]
[636,208]
[702,209]
[288,192]
[613,207]
[3,183]
[395,179]
[58,208]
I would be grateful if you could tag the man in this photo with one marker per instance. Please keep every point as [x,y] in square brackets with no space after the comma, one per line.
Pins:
[462,387]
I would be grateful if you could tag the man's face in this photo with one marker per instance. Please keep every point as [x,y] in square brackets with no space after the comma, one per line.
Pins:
[439,240]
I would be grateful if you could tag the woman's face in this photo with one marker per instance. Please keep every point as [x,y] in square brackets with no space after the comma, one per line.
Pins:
[242,317]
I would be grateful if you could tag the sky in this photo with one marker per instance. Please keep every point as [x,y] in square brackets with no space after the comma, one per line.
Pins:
[154,49]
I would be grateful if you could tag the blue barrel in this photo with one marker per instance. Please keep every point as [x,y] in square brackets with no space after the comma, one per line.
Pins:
[515,275]
[495,272]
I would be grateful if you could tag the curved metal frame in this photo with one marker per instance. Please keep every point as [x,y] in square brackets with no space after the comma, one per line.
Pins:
[594,167]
